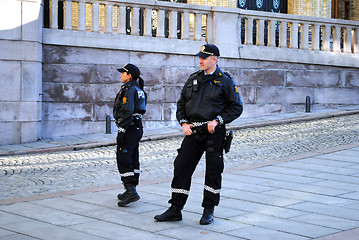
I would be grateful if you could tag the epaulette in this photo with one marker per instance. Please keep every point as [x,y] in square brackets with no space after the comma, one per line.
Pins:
[195,73]
[227,73]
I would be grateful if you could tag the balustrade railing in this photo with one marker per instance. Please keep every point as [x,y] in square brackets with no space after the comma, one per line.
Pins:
[148,18]
[158,19]
[298,32]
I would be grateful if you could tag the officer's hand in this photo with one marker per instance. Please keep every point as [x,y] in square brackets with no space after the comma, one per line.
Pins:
[211,126]
[187,128]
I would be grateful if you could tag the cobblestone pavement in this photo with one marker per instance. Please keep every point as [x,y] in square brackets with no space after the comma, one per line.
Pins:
[27,175]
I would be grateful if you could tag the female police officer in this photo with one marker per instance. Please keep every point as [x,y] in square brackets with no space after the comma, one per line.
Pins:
[128,108]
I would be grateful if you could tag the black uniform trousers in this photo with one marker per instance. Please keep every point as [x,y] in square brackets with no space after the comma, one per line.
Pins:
[189,154]
[127,156]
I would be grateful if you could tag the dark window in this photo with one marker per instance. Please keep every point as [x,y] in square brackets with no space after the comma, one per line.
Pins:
[264,5]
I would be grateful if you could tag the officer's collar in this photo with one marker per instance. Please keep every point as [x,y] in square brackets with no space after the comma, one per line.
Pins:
[130,83]
[217,72]
[211,73]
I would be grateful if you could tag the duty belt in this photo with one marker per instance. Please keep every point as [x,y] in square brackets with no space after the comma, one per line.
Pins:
[199,124]
[138,115]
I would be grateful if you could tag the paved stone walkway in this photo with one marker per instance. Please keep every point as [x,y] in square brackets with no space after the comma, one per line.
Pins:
[285,180]
[308,197]
[25,175]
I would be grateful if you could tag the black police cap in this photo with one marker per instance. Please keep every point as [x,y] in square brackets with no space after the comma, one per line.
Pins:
[131,69]
[208,50]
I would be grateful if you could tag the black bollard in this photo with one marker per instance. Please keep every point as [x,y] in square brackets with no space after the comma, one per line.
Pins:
[108,124]
[307,104]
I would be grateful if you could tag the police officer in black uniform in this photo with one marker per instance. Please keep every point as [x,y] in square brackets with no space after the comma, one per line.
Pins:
[209,100]
[129,106]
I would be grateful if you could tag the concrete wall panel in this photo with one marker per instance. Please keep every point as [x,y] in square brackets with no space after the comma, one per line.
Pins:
[10,80]
[152,75]
[69,73]
[10,132]
[101,109]
[170,112]
[313,79]
[9,111]
[177,75]
[31,84]
[66,54]
[248,94]
[282,95]
[262,77]
[161,59]
[20,51]
[336,96]
[53,129]
[107,74]
[31,21]
[10,20]
[172,94]
[351,79]
[29,131]
[156,94]
[68,92]
[154,112]
[105,92]
[68,111]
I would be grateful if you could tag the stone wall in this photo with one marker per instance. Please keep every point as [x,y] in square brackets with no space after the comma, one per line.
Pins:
[20,70]
[80,84]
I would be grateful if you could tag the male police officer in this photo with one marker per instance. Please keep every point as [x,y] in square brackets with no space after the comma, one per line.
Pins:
[208,101]
[128,108]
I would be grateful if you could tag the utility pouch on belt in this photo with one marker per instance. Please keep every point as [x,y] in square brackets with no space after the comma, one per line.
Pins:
[228,141]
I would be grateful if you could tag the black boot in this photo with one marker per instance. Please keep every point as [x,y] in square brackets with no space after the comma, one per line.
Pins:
[171,214]
[130,196]
[207,216]
[120,196]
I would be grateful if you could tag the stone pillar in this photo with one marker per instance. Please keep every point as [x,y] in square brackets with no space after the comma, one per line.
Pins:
[271,33]
[249,32]
[294,35]
[260,32]
[315,36]
[21,70]
[185,25]
[227,35]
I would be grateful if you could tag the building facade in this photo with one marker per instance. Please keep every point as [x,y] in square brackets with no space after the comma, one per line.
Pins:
[58,74]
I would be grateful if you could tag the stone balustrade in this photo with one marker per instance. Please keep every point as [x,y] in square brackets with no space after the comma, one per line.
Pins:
[137,18]
[257,35]
[298,32]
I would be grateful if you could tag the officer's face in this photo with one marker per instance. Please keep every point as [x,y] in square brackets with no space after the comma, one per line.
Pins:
[208,64]
[125,77]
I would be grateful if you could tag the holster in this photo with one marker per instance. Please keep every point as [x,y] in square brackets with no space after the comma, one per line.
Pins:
[137,122]
[200,133]
[228,141]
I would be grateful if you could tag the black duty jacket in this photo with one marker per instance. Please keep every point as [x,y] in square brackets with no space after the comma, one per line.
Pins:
[208,97]
[130,102]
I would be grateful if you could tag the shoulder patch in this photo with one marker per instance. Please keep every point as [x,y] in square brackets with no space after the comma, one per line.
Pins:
[236,89]
[124,100]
